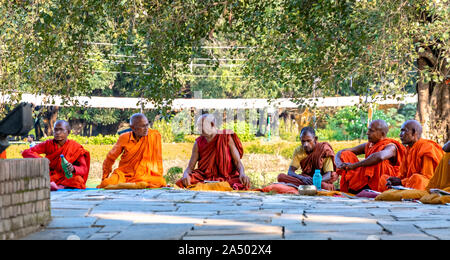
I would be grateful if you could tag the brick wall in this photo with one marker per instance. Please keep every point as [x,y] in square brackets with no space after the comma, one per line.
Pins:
[24,197]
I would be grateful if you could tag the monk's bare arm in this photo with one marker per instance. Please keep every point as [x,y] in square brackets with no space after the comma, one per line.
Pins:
[236,157]
[191,164]
[387,153]
[357,150]
[111,157]
[245,180]
[446,147]
[194,159]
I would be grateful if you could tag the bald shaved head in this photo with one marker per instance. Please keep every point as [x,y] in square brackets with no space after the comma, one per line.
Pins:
[410,132]
[137,116]
[139,125]
[414,125]
[377,131]
[206,124]
[381,125]
[63,123]
[61,131]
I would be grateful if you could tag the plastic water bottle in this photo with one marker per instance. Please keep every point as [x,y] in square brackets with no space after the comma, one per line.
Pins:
[64,164]
[317,179]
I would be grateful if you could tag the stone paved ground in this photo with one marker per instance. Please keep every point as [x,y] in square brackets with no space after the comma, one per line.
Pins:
[190,215]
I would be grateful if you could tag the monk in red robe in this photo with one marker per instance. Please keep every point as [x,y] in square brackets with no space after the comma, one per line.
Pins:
[422,158]
[218,154]
[382,160]
[79,159]
[141,164]
[311,155]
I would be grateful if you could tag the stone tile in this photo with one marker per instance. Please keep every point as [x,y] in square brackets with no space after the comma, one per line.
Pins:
[63,234]
[347,227]
[71,222]
[103,236]
[332,236]
[234,230]
[154,232]
[441,233]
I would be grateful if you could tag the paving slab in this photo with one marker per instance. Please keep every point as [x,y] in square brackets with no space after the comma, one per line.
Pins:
[199,215]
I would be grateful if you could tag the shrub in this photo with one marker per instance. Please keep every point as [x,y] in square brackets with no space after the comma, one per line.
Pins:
[173,175]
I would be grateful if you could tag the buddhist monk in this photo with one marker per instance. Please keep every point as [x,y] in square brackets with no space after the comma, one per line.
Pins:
[141,163]
[79,159]
[441,177]
[218,154]
[382,160]
[311,155]
[421,159]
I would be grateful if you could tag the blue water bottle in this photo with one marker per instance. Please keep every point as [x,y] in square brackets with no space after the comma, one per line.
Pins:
[317,179]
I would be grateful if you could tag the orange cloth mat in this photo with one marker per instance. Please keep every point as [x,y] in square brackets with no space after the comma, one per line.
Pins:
[211,186]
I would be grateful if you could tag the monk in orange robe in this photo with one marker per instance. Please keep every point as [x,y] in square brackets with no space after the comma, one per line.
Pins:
[441,177]
[311,155]
[218,153]
[141,163]
[79,159]
[382,160]
[3,155]
[421,160]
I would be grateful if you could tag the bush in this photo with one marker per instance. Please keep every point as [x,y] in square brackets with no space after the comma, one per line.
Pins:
[93,140]
[350,123]
[244,130]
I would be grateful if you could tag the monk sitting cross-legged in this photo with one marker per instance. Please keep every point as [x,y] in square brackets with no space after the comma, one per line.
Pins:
[218,153]
[141,163]
[421,159]
[382,160]
[79,159]
[311,155]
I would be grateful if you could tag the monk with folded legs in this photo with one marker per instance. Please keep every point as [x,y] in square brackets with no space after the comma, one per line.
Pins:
[140,165]
[421,160]
[78,158]
[217,154]
[310,156]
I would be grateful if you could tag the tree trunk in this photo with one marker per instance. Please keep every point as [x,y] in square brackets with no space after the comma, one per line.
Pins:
[49,118]
[433,107]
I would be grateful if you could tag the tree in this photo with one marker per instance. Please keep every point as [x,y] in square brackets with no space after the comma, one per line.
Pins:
[313,47]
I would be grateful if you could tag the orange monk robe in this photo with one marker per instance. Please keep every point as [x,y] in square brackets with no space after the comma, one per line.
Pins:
[141,161]
[73,152]
[215,162]
[441,177]
[374,176]
[419,164]
[3,155]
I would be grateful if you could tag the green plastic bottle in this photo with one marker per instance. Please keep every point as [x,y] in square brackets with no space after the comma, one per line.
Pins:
[64,164]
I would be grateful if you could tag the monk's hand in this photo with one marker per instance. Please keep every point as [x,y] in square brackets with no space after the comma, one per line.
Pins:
[349,166]
[186,180]
[393,181]
[245,180]
[307,180]
[70,168]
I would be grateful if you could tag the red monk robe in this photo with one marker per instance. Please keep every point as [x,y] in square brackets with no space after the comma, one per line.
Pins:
[215,162]
[374,176]
[419,164]
[3,155]
[73,152]
[322,153]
